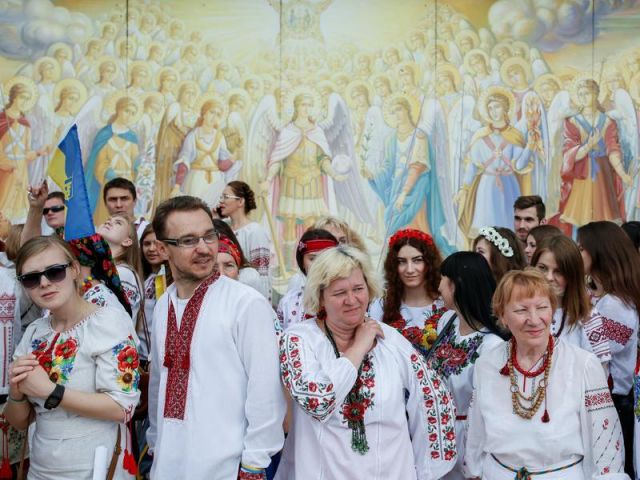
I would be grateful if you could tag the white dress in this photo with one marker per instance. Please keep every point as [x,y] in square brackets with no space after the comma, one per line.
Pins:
[224,405]
[588,335]
[102,296]
[256,246]
[408,411]
[98,355]
[132,289]
[454,359]
[291,308]
[10,326]
[621,328]
[583,422]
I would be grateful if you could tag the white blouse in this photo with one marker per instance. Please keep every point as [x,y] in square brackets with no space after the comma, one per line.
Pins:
[588,335]
[98,355]
[583,421]
[454,359]
[620,323]
[408,411]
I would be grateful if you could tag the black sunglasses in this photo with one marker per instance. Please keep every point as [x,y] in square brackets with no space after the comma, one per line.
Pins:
[54,273]
[56,209]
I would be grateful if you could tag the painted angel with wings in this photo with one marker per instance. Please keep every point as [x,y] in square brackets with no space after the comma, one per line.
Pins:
[497,159]
[307,167]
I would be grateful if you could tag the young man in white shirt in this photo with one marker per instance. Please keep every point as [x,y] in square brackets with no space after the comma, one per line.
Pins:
[216,404]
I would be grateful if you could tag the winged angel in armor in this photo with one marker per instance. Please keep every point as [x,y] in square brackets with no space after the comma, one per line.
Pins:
[308,167]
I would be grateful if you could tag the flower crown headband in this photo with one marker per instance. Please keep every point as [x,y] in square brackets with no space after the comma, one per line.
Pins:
[501,243]
[410,233]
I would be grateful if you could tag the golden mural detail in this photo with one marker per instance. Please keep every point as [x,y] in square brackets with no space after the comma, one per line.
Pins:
[434,122]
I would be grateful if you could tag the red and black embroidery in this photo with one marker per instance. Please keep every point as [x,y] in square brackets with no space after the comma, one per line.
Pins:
[177,351]
[616,331]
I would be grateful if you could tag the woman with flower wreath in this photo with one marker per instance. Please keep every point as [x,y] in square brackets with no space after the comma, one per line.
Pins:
[502,249]
[541,409]
[466,330]
[365,403]
[411,303]
[75,372]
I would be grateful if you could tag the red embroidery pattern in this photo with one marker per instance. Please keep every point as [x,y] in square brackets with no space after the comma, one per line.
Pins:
[260,259]
[316,398]
[244,475]
[177,351]
[354,412]
[439,409]
[7,308]
[597,399]
[616,331]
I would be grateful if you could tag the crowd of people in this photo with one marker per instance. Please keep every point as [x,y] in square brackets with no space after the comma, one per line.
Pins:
[163,350]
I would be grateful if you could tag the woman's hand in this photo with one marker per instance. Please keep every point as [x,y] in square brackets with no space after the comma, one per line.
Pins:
[18,372]
[366,334]
[37,384]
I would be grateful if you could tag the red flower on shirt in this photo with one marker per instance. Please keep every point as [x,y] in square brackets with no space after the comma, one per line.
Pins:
[128,358]
[67,349]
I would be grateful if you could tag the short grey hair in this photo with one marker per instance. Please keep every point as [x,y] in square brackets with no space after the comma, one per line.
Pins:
[333,264]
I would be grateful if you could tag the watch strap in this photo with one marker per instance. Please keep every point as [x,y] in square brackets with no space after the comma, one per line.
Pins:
[55,398]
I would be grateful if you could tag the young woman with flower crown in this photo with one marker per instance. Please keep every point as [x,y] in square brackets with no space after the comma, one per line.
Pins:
[502,249]
[466,331]
[411,303]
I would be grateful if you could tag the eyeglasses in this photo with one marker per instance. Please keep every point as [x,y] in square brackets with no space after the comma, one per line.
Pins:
[56,209]
[192,241]
[226,196]
[54,273]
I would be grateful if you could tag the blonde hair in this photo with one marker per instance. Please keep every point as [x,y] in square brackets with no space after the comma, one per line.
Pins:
[333,264]
[38,245]
[353,238]
[518,284]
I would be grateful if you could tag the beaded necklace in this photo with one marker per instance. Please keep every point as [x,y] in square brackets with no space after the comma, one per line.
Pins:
[526,406]
[355,419]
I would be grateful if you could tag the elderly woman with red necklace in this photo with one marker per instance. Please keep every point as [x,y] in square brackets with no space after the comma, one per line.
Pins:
[411,303]
[540,408]
[365,403]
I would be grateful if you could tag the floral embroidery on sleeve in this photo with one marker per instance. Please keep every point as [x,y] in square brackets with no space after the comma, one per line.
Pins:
[318,399]
[56,358]
[451,357]
[616,331]
[440,412]
[126,356]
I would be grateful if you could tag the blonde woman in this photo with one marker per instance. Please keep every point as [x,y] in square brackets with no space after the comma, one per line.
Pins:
[75,371]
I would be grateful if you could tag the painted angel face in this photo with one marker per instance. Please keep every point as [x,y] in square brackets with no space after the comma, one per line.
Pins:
[61,54]
[548,91]
[586,97]
[94,49]
[502,54]
[478,64]
[466,44]
[168,82]
[213,116]
[108,71]
[496,111]
[70,99]
[109,32]
[127,114]
[188,96]
[516,75]
[304,106]
[382,88]
[47,71]
[22,100]
[252,88]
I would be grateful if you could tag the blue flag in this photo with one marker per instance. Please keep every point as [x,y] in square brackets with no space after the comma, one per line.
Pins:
[66,170]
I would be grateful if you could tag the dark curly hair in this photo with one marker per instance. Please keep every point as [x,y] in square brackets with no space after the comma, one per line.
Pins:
[395,288]
[243,190]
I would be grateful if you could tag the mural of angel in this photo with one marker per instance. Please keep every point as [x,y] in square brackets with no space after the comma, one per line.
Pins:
[497,153]
[70,95]
[15,148]
[593,175]
[115,151]
[310,166]
[204,164]
[477,64]
[179,118]
[107,73]
[408,182]
[235,130]
[86,67]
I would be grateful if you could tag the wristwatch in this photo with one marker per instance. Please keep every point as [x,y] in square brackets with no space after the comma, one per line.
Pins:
[55,398]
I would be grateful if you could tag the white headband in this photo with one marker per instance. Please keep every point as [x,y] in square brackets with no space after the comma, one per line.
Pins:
[498,240]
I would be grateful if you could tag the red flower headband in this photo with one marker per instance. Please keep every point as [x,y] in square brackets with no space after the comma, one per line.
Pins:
[410,233]
[225,245]
[316,245]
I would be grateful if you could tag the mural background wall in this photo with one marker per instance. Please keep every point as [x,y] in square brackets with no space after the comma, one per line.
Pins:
[435,114]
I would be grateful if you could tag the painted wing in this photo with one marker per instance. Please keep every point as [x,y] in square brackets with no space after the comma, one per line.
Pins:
[625,116]
[263,132]
[375,135]
[462,125]
[433,123]
[559,109]
[538,65]
[349,192]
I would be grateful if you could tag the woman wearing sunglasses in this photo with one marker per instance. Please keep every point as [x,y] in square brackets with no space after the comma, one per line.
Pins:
[75,372]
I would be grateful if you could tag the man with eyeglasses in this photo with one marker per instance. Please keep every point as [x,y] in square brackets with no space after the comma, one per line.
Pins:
[216,405]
